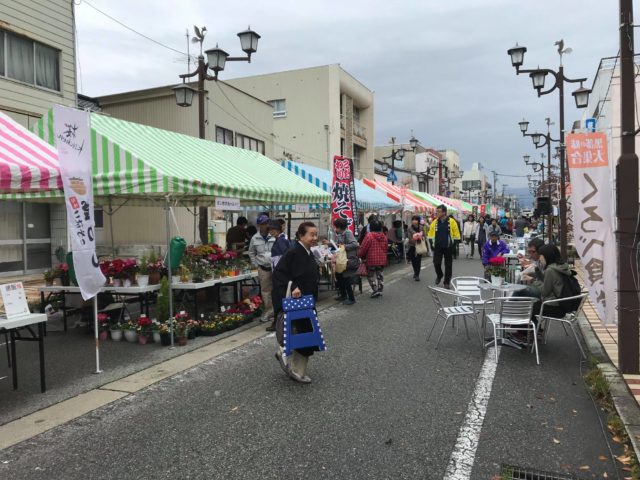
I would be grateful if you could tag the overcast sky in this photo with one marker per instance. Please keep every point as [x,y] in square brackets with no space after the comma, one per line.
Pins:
[437,67]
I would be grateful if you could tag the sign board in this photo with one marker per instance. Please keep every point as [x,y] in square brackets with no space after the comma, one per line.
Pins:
[301,208]
[225,203]
[593,218]
[392,177]
[343,193]
[471,185]
[590,124]
[15,300]
[71,129]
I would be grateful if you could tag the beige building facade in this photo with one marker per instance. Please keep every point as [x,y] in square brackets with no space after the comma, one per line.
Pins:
[317,113]
[37,70]
[451,160]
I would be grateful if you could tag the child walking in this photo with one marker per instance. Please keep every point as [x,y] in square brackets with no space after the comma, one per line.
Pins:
[373,253]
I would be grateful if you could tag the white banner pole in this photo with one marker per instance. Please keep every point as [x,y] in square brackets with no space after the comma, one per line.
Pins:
[95,328]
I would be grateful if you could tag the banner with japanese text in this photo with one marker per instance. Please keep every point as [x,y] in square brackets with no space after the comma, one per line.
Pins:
[71,129]
[343,193]
[592,199]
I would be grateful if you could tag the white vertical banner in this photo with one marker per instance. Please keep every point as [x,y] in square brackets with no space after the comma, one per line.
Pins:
[71,128]
[592,199]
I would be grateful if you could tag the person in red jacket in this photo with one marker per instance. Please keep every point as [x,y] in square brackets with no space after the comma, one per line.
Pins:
[373,253]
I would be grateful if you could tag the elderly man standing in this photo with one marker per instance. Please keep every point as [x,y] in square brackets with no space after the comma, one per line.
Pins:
[260,256]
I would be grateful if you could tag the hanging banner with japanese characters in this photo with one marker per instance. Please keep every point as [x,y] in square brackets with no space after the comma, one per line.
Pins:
[343,193]
[593,213]
[71,129]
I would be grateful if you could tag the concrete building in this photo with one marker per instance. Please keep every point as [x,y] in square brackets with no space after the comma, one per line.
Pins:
[451,164]
[37,69]
[318,112]
[427,171]
[473,185]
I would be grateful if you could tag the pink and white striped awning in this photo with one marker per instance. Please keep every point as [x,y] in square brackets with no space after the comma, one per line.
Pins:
[397,194]
[27,163]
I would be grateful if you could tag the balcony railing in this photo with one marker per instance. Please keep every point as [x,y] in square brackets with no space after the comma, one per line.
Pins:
[358,130]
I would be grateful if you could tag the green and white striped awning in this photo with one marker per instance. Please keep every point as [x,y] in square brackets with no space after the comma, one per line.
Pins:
[139,162]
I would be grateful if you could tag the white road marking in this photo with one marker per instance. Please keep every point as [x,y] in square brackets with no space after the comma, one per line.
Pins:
[464,452]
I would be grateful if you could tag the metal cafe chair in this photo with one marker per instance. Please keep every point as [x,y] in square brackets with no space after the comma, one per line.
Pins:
[570,319]
[451,305]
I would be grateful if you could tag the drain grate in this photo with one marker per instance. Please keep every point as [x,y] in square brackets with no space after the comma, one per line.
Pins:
[511,472]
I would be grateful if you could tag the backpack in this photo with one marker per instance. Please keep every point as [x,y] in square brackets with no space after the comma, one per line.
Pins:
[570,288]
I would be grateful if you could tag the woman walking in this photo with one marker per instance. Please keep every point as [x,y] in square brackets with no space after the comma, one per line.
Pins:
[481,234]
[299,267]
[469,235]
[373,253]
[415,234]
[345,238]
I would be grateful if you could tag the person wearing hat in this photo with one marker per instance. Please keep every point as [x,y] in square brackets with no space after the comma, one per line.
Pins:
[260,255]
[493,248]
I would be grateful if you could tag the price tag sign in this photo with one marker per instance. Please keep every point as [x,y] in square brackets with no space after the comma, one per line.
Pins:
[15,300]
[302,207]
[224,203]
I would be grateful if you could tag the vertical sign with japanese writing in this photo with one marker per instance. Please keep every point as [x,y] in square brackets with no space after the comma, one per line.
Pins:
[343,193]
[71,129]
[593,218]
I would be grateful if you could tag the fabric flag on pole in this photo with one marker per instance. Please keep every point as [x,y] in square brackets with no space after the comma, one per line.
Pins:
[593,214]
[343,193]
[71,128]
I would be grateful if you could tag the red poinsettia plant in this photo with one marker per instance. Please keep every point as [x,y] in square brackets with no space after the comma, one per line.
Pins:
[143,324]
[247,306]
[103,321]
[497,267]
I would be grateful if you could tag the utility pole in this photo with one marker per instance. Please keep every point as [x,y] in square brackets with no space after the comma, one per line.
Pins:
[495,199]
[627,201]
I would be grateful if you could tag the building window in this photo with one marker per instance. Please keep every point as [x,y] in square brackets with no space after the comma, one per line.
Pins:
[422,187]
[248,143]
[29,62]
[279,108]
[224,136]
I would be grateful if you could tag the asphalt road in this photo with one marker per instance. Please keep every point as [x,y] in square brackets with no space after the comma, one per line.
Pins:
[384,404]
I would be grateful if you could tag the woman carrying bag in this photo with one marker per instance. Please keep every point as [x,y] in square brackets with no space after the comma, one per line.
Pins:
[298,266]
[417,246]
[345,238]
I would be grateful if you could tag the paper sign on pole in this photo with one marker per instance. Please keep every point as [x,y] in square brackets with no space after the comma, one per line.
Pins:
[15,300]
[593,214]
[224,203]
[343,193]
[301,208]
[71,129]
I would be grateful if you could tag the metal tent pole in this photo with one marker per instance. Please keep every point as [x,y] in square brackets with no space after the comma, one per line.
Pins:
[95,328]
[167,209]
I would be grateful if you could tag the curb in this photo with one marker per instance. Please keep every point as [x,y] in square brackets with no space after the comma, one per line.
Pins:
[623,400]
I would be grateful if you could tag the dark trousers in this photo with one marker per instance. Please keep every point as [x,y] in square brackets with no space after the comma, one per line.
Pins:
[416,261]
[447,253]
[480,246]
[472,243]
[345,288]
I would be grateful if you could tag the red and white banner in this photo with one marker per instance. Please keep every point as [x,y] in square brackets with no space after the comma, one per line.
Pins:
[593,218]
[343,193]
[71,129]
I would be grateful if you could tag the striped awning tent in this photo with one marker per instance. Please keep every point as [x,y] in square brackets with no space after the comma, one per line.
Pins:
[460,205]
[27,163]
[411,200]
[140,163]
[433,200]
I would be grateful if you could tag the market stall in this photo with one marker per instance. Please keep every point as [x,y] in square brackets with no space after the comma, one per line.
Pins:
[406,197]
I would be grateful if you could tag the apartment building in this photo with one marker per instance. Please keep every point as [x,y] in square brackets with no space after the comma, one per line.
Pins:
[37,70]
[318,112]
[451,172]
[473,184]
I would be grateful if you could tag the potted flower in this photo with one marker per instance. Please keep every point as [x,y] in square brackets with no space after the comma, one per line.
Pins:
[143,327]
[105,268]
[49,277]
[103,326]
[130,331]
[165,332]
[129,271]
[184,273]
[117,271]
[498,270]
[181,332]
[142,278]
[154,266]
[155,331]
[116,331]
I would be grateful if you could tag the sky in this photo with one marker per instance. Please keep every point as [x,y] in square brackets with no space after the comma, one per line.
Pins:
[438,68]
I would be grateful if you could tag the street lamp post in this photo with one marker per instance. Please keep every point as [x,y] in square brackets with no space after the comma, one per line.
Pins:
[538,167]
[216,60]
[398,154]
[581,96]
[429,173]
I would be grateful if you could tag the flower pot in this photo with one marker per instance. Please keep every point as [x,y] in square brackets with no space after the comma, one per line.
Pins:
[154,278]
[157,338]
[192,334]
[103,335]
[64,279]
[117,282]
[126,283]
[143,280]
[49,282]
[131,336]
[143,339]
[497,281]
[165,339]
[116,335]
[182,341]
